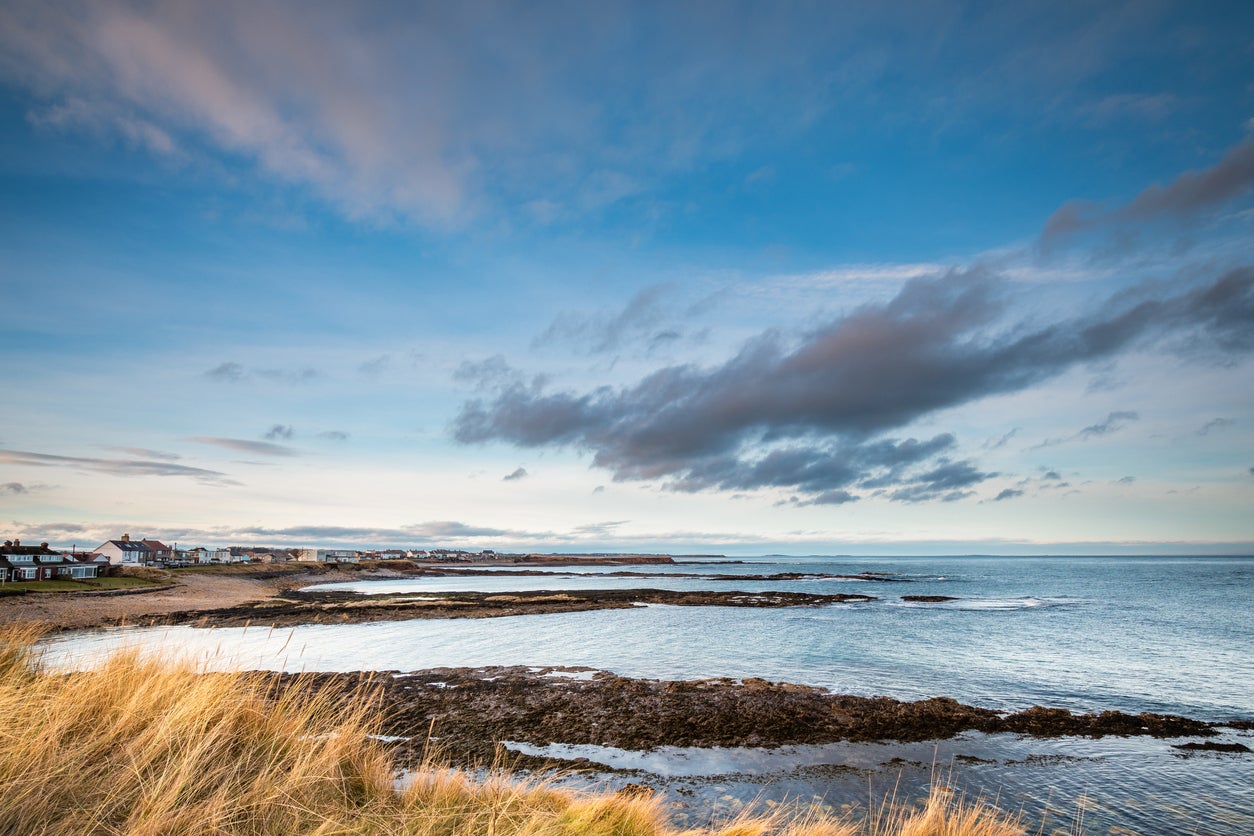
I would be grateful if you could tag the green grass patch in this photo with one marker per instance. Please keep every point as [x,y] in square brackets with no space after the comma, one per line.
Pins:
[85,585]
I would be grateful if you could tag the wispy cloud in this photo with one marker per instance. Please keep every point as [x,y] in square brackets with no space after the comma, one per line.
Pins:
[519,473]
[280,431]
[146,453]
[1214,424]
[1113,422]
[1190,194]
[116,467]
[243,445]
[649,318]
[233,372]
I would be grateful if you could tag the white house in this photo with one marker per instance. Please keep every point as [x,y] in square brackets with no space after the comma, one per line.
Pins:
[125,552]
[327,556]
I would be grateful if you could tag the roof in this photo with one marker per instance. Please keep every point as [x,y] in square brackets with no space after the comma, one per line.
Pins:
[126,545]
[156,545]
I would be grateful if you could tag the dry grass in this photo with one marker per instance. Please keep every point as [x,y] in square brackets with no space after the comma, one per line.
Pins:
[141,747]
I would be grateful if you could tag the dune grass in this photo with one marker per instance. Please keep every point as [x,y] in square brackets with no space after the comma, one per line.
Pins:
[138,746]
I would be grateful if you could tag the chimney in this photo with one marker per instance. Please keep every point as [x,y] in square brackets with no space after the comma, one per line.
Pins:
[126,538]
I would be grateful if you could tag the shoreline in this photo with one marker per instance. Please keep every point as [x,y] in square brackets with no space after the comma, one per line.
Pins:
[477,708]
[277,595]
[470,711]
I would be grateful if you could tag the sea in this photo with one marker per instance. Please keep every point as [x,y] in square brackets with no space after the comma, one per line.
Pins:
[1159,634]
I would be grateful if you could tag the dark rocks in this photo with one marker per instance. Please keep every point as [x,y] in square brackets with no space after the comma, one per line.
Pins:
[296,607]
[1212,746]
[472,709]
[927,599]
[1058,722]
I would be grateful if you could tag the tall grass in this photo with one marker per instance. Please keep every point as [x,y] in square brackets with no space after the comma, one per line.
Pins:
[137,746]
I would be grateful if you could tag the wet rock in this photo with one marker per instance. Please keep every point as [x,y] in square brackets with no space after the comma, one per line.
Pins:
[927,599]
[1212,746]
[471,709]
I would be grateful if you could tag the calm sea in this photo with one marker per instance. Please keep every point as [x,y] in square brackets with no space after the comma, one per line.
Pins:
[1135,634]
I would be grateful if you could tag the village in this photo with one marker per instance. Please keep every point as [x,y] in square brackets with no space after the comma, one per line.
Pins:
[36,564]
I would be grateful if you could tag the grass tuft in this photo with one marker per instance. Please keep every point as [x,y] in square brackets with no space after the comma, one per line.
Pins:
[146,747]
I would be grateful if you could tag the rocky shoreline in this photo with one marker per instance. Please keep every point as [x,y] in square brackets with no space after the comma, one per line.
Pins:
[467,712]
[296,607]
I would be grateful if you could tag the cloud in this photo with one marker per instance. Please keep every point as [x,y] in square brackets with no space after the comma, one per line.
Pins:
[226,372]
[232,372]
[145,453]
[333,435]
[116,467]
[520,473]
[288,375]
[376,367]
[279,431]
[1189,195]
[1002,441]
[1126,480]
[1214,424]
[1008,493]
[642,319]
[1113,422]
[243,445]
[13,489]
[491,373]
[813,415]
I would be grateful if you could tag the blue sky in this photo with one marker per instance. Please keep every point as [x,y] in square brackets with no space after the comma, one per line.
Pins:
[918,277]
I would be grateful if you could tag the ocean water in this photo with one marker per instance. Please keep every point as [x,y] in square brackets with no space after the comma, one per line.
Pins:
[1157,634]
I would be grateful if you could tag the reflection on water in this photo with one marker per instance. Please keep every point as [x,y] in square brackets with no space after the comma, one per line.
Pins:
[1048,781]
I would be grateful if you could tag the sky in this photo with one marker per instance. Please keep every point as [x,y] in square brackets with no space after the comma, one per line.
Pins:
[736,278]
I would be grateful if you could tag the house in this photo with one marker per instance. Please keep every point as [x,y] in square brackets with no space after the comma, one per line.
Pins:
[158,551]
[126,552]
[200,555]
[327,556]
[45,567]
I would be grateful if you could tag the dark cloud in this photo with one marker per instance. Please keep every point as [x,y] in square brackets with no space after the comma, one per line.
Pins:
[12,489]
[948,482]
[520,473]
[243,445]
[1127,480]
[836,497]
[229,372]
[1190,194]
[1008,493]
[280,431]
[333,435]
[116,467]
[1052,475]
[812,416]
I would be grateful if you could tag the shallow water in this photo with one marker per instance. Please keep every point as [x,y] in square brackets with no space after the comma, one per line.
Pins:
[1172,635]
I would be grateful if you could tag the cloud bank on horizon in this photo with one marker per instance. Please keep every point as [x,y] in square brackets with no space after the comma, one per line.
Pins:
[792,278]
